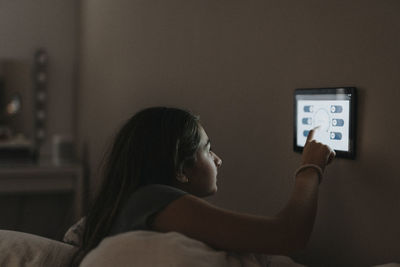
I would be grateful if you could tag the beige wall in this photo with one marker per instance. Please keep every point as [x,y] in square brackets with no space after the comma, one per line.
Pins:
[236,63]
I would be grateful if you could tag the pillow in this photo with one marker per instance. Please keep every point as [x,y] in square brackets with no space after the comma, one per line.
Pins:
[22,249]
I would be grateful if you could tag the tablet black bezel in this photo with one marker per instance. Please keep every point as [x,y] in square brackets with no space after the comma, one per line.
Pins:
[352,128]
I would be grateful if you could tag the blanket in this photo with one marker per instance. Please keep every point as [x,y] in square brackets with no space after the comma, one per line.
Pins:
[152,249]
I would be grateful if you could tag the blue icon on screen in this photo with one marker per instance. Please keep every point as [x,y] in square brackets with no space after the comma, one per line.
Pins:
[336,136]
[305,133]
[308,109]
[306,121]
[336,109]
[337,122]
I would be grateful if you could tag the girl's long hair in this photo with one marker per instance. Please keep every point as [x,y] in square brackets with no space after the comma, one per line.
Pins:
[151,148]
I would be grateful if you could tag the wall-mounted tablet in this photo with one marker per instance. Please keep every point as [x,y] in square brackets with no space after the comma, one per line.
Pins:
[333,110]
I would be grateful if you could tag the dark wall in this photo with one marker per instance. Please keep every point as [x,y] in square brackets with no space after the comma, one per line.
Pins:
[236,63]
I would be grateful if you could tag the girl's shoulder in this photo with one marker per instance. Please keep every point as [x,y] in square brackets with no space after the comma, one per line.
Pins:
[142,205]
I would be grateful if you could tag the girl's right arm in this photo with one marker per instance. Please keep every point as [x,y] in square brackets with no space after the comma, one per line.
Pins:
[283,233]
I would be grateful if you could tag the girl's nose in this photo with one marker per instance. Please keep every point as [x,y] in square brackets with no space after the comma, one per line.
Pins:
[217,160]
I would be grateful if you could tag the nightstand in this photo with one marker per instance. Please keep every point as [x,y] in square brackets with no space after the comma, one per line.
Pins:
[44,177]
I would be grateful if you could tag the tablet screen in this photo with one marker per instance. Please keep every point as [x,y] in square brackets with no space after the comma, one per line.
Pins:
[332,111]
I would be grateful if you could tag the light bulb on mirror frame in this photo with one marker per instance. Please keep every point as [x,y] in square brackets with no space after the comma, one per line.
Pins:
[14,106]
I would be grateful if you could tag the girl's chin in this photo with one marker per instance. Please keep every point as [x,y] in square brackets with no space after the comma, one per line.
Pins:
[214,190]
[211,192]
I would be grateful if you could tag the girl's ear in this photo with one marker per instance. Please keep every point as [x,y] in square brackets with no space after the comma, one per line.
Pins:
[181,177]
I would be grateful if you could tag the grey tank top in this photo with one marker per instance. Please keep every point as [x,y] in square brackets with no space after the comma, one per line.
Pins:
[142,205]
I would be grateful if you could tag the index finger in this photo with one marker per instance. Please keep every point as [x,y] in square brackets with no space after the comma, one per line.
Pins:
[310,135]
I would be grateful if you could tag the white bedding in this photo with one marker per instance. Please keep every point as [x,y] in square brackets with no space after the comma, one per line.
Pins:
[137,249]
[152,249]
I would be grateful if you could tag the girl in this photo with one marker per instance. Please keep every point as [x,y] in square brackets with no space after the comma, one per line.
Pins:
[161,165]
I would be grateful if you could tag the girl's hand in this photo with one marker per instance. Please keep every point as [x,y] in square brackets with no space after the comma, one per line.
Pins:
[317,153]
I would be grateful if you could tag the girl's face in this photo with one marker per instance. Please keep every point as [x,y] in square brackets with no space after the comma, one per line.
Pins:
[202,175]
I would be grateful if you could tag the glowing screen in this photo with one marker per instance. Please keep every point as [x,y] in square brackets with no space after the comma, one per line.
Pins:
[329,110]
[332,117]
